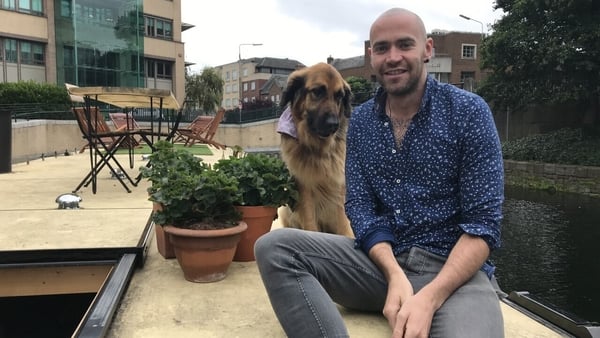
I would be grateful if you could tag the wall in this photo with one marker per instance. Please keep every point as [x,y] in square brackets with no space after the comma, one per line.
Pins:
[569,178]
[31,139]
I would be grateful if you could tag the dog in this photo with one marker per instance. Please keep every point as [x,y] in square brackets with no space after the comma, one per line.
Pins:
[313,146]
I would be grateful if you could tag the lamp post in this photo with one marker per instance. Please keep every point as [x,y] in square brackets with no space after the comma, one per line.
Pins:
[240,73]
[481,23]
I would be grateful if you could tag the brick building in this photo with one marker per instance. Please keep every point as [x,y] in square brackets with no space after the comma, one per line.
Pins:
[455,60]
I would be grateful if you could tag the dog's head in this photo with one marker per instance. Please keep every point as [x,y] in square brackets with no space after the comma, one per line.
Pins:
[319,97]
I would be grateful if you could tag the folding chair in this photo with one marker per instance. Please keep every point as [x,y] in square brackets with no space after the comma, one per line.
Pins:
[126,122]
[103,144]
[204,135]
[197,127]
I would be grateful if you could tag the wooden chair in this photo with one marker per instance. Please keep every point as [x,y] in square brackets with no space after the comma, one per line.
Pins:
[202,130]
[126,122]
[103,144]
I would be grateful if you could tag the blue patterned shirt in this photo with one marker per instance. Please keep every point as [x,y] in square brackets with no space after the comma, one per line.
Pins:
[446,179]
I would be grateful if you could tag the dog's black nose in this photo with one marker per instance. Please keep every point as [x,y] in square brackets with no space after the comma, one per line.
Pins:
[328,126]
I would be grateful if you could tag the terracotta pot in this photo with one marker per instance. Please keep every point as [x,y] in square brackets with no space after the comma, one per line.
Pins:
[205,255]
[259,220]
[163,244]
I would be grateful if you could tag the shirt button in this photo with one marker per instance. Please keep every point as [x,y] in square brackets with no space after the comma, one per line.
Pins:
[385,124]
[398,211]
[398,181]
[393,151]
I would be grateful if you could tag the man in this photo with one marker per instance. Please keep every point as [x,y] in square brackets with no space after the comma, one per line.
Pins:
[424,183]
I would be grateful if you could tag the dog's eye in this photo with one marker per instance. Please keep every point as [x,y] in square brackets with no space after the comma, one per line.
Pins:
[339,95]
[318,92]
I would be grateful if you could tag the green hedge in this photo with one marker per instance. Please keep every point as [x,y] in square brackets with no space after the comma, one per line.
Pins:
[564,146]
[47,97]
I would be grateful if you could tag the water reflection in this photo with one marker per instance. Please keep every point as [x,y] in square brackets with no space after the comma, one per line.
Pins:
[549,248]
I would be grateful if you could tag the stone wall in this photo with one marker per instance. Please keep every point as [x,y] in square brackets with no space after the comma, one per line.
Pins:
[31,139]
[560,177]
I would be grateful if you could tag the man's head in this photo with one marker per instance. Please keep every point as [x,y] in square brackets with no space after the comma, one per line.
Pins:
[399,50]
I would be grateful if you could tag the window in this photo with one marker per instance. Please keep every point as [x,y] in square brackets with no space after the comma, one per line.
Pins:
[159,28]
[24,6]
[245,86]
[159,69]
[234,75]
[253,85]
[469,51]
[10,50]
[25,52]
[228,89]
[226,76]
[245,72]
[466,75]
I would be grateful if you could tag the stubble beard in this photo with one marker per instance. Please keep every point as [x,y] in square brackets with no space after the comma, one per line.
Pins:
[397,89]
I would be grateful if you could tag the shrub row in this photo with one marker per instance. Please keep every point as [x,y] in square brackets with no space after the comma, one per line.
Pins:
[564,146]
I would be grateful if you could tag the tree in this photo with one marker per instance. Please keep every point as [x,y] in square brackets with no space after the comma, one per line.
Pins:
[205,90]
[543,51]
[362,90]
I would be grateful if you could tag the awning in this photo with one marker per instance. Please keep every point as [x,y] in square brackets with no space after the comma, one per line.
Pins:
[125,97]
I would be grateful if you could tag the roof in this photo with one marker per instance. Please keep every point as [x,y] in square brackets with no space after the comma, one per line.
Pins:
[125,97]
[275,80]
[349,63]
[268,62]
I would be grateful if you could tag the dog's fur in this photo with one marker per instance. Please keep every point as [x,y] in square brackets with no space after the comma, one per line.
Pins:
[319,99]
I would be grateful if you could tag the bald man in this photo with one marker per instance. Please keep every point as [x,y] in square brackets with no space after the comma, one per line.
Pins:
[424,193]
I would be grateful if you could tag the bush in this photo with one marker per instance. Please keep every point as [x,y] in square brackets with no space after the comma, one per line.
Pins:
[564,146]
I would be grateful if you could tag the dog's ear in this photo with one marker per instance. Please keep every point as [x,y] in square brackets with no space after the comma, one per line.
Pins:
[294,87]
[347,100]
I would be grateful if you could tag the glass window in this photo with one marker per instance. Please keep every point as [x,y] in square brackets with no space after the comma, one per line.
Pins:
[159,28]
[36,6]
[252,85]
[168,30]
[9,4]
[26,57]
[65,8]
[10,50]
[149,26]
[468,51]
[38,54]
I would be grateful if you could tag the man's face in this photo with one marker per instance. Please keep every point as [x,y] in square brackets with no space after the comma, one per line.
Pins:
[399,52]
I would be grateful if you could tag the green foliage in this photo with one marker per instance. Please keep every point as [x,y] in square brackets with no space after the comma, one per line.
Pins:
[543,52]
[205,90]
[190,191]
[262,179]
[362,89]
[50,97]
[564,146]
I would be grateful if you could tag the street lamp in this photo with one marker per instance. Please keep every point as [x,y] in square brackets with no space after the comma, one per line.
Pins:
[481,23]
[240,73]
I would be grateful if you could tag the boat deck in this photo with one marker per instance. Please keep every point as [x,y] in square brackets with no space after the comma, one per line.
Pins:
[156,301]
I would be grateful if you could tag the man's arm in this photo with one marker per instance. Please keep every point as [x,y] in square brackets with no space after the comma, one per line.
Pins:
[399,287]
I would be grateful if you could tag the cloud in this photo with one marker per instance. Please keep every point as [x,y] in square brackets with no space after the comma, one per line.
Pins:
[308,31]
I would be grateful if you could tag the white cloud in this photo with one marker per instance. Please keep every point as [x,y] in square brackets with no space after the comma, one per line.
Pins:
[306,30]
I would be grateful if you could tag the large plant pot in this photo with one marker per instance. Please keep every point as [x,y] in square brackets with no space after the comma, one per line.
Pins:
[163,244]
[259,220]
[205,255]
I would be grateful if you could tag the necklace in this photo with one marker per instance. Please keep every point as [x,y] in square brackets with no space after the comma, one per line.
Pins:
[399,125]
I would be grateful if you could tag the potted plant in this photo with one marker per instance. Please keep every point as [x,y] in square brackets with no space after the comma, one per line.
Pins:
[164,162]
[265,184]
[197,212]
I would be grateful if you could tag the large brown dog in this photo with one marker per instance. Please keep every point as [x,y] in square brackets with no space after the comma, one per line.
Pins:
[319,100]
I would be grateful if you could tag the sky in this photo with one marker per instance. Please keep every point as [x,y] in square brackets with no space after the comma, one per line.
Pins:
[308,31]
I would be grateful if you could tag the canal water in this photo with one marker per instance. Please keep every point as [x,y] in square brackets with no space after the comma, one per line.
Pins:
[551,248]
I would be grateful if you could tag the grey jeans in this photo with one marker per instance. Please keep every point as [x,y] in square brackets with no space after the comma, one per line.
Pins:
[305,273]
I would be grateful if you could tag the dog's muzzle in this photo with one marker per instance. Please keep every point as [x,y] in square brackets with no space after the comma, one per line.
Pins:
[326,125]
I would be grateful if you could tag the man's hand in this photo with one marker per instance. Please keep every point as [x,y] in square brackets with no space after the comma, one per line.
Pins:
[414,317]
